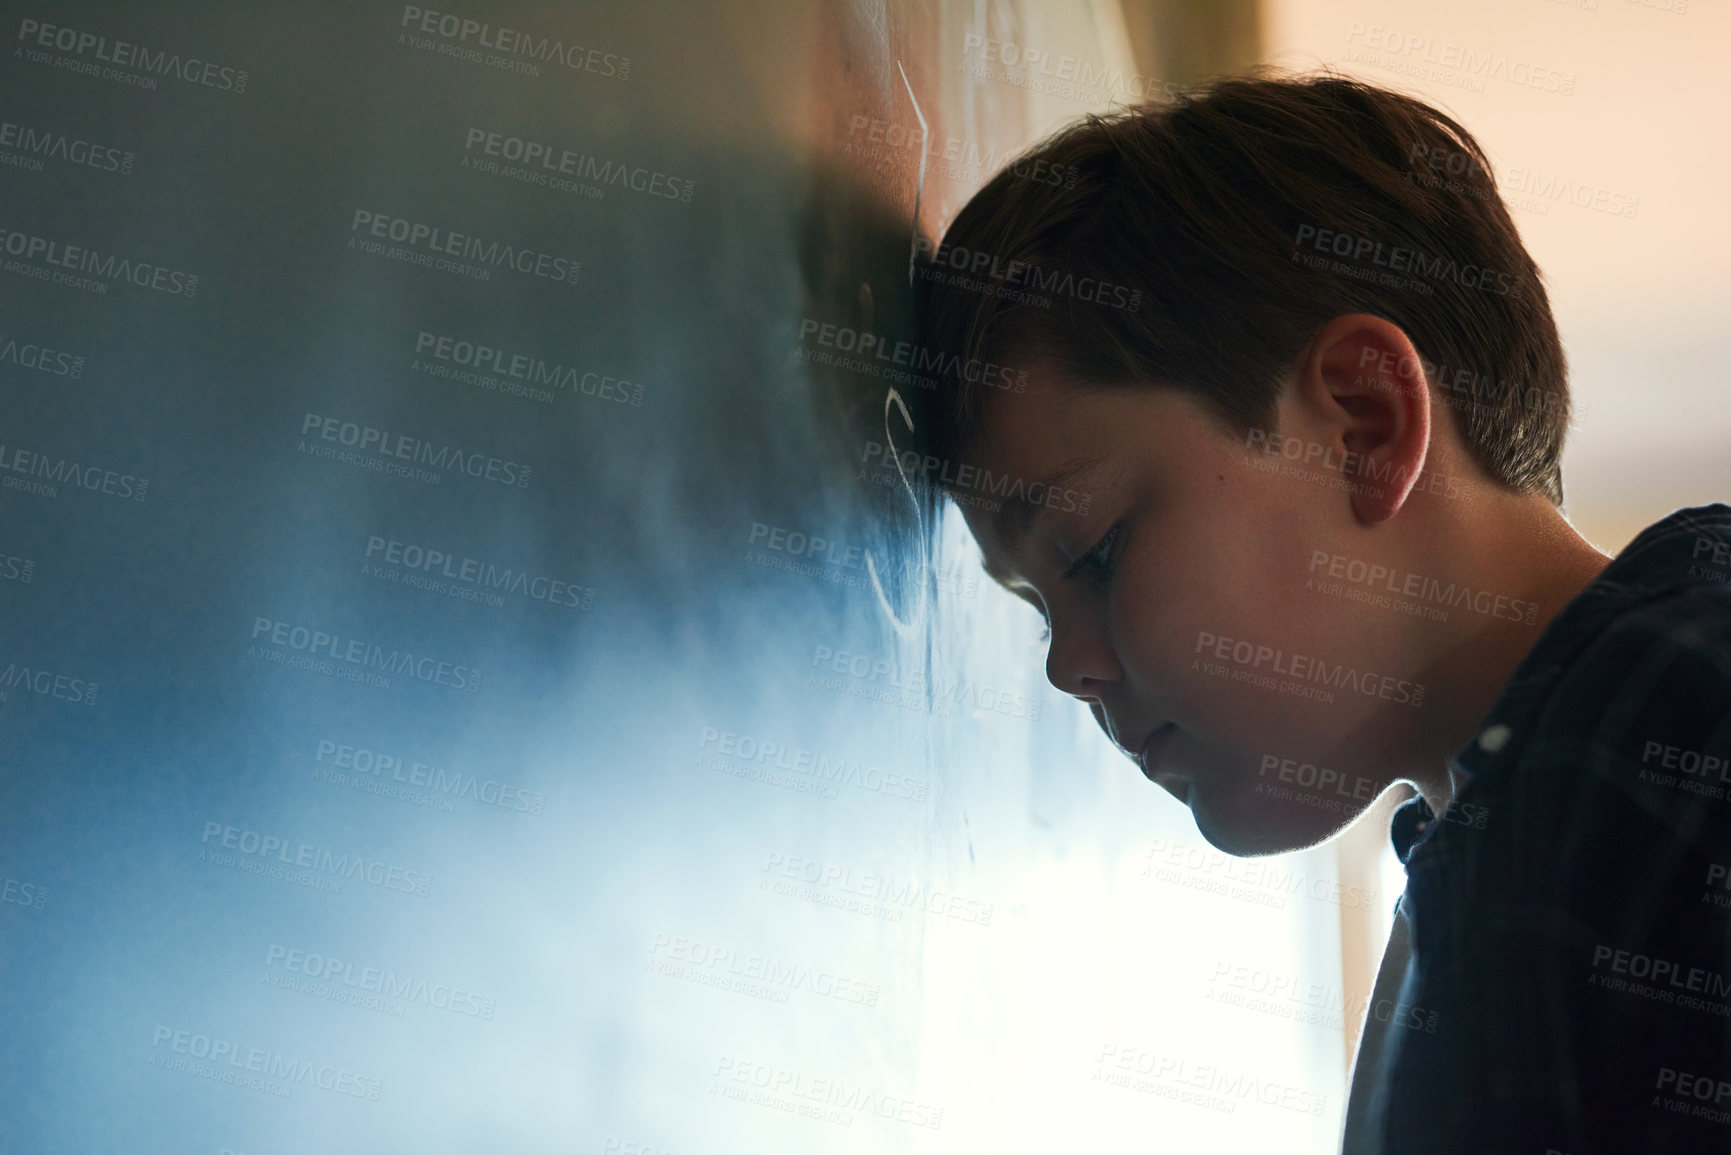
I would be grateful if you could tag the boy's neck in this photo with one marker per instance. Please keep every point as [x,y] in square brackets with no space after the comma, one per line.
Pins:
[1519,546]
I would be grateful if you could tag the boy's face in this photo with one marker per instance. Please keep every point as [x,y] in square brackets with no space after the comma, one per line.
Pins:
[1183,604]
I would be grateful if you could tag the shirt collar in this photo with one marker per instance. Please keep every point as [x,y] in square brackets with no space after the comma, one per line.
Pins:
[1660,559]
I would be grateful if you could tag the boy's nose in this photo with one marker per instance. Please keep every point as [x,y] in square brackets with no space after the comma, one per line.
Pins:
[1080,662]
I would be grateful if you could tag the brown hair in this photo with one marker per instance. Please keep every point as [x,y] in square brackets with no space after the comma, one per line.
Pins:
[1201,245]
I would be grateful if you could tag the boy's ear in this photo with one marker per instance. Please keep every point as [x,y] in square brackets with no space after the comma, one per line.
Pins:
[1363,382]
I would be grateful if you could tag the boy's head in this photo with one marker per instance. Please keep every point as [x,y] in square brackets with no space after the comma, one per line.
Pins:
[1281,377]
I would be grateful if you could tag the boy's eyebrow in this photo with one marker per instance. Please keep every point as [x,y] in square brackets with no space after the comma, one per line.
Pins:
[1016,517]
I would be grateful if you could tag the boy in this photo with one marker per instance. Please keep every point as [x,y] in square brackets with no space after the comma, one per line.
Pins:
[1283,340]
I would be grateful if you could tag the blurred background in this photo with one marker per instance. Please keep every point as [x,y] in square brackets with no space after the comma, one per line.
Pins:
[467,679]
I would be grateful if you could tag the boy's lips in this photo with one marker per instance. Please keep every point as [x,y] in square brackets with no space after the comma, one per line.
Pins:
[1149,754]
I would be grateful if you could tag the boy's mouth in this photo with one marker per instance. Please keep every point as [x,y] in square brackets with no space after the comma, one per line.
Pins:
[1148,756]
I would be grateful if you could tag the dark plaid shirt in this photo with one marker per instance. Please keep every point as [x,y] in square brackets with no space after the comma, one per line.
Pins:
[1569,983]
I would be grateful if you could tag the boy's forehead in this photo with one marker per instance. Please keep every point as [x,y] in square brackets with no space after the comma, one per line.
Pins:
[1058,420]
[1022,438]
[1061,491]
[1031,446]
[1034,422]
[996,559]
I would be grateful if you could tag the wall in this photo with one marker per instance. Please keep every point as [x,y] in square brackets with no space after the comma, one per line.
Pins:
[430,720]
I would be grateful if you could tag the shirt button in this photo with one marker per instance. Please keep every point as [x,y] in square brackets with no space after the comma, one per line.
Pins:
[1494,738]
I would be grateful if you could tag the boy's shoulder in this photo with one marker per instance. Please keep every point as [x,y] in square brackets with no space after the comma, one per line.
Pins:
[1649,683]
[1571,914]
[1624,705]
[1646,708]
[1643,653]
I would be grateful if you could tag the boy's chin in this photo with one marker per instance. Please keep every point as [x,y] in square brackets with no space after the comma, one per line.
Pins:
[1250,831]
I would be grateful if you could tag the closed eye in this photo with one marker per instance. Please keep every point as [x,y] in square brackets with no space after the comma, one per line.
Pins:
[1099,561]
